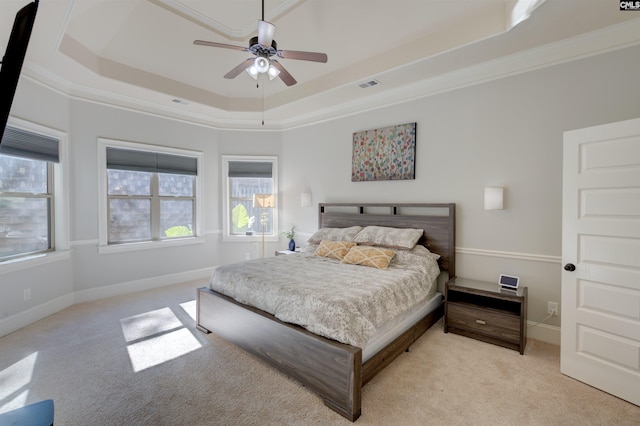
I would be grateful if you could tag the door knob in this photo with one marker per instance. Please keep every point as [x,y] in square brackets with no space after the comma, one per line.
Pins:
[570,267]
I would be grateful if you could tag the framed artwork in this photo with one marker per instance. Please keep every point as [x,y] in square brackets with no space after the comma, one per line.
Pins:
[384,154]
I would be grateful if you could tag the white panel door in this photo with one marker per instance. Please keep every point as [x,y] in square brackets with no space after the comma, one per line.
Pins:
[601,240]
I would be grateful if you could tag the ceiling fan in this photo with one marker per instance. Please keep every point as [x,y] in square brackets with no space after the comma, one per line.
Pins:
[264,47]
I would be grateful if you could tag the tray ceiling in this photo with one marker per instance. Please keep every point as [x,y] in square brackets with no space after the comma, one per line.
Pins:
[140,53]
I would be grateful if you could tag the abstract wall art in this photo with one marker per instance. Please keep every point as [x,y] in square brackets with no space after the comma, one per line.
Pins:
[384,154]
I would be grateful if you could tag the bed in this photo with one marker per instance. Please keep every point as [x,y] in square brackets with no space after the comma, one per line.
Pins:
[334,370]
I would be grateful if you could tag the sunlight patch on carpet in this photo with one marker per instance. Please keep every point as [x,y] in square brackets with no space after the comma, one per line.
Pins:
[156,337]
[190,308]
[149,324]
[15,380]
[157,350]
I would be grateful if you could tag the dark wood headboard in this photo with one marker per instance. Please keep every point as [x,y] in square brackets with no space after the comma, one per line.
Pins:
[437,220]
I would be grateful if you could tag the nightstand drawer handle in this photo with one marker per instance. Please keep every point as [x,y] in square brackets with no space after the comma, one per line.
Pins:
[479,321]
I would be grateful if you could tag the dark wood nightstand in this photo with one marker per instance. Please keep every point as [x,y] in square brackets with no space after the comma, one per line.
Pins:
[483,311]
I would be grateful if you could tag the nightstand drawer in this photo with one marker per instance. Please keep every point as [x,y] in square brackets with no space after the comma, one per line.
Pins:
[480,310]
[496,324]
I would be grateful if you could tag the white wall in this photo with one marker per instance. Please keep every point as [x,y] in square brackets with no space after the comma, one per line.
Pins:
[246,143]
[501,133]
[93,269]
[51,280]
[84,272]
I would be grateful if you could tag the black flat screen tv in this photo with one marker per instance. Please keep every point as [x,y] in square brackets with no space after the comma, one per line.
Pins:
[13,59]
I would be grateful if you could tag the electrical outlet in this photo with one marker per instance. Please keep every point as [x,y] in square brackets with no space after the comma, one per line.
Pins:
[552,308]
[27,294]
[247,256]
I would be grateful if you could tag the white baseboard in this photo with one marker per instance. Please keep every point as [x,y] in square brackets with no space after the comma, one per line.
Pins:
[544,333]
[22,319]
[139,285]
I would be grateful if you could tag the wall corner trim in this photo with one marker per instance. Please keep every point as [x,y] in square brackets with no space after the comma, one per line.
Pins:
[510,255]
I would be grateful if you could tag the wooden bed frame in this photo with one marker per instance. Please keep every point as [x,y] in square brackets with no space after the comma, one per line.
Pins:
[333,370]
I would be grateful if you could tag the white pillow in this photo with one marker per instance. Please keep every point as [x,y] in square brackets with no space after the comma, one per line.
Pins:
[400,238]
[335,234]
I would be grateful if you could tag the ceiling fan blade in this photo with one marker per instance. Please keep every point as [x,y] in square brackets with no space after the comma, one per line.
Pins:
[284,74]
[304,56]
[266,30]
[223,45]
[238,70]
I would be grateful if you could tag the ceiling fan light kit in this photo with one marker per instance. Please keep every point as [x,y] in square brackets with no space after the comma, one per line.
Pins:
[273,72]
[264,47]
[253,72]
[262,64]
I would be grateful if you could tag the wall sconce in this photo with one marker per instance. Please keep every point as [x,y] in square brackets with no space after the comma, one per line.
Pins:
[305,199]
[493,198]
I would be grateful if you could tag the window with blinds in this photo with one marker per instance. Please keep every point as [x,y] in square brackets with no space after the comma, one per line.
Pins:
[150,195]
[245,176]
[26,193]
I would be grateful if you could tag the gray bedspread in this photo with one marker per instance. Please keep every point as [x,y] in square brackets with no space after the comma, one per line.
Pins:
[343,302]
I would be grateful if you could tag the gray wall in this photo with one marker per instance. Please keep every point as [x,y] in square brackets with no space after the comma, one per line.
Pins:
[92,121]
[506,132]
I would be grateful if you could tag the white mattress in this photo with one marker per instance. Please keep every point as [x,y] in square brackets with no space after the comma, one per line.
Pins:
[387,333]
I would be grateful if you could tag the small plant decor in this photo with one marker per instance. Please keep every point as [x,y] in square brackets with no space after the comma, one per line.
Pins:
[290,233]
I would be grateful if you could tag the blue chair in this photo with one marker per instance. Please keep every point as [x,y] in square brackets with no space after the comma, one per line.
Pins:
[38,414]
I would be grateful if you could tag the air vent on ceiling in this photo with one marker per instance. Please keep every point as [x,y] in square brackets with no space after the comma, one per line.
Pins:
[368,84]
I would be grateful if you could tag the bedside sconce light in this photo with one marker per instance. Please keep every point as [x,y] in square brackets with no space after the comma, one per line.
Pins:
[493,198]
[305,199]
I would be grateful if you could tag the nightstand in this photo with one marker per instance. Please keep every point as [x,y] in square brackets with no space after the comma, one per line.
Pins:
[483,311]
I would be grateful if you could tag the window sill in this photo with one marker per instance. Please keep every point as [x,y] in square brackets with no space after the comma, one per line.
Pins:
[149,245]
[248,238]
[33,260]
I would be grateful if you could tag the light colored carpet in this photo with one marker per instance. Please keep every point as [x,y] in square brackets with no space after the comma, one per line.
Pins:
[139,360]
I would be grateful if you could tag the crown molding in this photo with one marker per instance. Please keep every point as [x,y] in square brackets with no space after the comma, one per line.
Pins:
[591,44]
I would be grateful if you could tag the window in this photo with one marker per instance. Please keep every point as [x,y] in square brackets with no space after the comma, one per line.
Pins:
[245,176]
[150,194]
[26,193]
